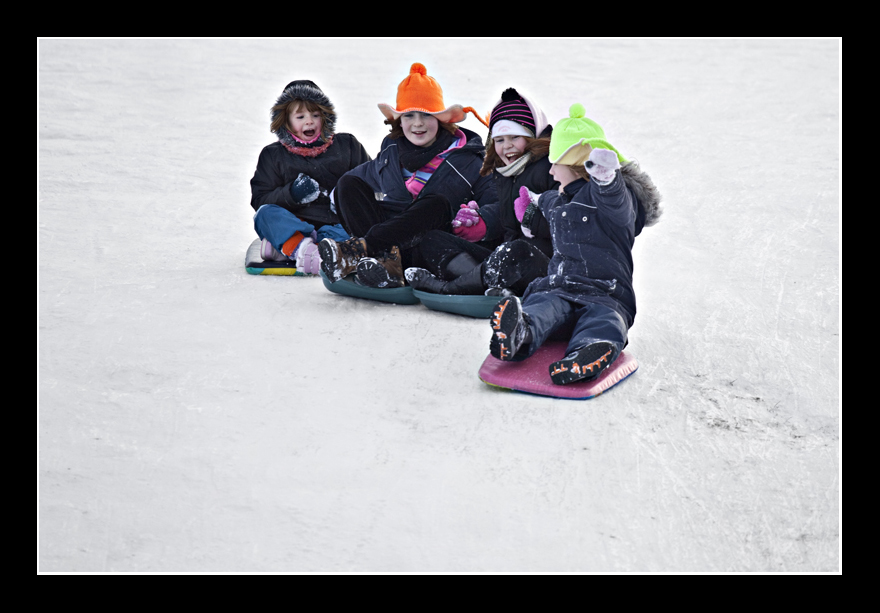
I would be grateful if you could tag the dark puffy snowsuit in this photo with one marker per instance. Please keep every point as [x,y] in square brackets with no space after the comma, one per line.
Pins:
[588,291]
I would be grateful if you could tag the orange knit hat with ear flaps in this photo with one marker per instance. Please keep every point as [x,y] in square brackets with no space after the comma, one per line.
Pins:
[422,93]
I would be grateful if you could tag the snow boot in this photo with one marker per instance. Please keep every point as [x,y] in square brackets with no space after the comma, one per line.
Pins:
[510,330]
[423,280]
[270,254]
[338,260]
[308,259]
[385,271]
[583,364]
[466,274]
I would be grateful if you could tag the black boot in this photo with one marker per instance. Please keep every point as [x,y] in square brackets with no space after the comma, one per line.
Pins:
[584,364]
[423,280]
[468,284]
[465,272]
[510,330]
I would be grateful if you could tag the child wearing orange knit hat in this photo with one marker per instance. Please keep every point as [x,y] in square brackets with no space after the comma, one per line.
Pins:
[426,168]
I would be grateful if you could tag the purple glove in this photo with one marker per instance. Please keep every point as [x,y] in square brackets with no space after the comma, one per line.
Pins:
[522,203]
[602,165]
[468,224]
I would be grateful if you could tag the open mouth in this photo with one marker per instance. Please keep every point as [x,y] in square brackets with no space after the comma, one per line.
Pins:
[309,133]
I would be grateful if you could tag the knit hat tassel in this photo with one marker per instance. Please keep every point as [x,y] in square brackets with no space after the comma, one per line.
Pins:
[469,109]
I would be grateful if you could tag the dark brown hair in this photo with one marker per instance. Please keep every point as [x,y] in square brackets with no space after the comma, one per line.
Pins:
[281,112]
[538,147]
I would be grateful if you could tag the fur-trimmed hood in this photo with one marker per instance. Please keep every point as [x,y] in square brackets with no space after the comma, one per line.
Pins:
[307,90]
[645,192]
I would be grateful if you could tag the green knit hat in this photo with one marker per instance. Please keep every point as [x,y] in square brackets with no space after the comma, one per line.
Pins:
[568,143]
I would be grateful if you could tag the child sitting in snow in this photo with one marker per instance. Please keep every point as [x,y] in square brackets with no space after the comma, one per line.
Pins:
[602,204]
[427,166]
[492,247]
[296,175]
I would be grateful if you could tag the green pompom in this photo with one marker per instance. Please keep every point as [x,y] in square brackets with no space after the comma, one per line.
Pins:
[577,110]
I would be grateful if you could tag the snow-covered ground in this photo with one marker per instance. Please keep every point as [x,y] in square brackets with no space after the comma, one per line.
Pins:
[192,417]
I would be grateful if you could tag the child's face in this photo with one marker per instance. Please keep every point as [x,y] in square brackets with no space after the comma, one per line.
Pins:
[562,173]
[510,148]
[419,128]
[305,125]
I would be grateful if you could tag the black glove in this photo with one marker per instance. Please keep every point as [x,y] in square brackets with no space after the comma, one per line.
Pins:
[304,189]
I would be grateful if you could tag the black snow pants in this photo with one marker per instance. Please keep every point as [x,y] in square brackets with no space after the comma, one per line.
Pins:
[364,217]
[511,265]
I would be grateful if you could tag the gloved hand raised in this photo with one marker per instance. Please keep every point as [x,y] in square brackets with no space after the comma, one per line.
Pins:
[602,165]
[304,189]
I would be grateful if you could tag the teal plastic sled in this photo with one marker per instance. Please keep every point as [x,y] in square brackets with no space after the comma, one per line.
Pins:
[349,287]
[471,306]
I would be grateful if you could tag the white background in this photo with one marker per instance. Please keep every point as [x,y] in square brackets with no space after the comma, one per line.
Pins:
[192,417]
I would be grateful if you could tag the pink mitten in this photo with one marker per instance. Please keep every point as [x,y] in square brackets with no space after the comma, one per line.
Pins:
[467,216]
[472,233]
[522,203]
[468,224]
[602,165]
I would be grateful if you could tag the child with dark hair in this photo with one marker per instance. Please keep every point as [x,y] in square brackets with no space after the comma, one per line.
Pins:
[492,248]
[295,176]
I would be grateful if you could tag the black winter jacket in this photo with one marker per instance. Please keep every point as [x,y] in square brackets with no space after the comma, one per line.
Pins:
[458,177]
[502,225]
[278,167]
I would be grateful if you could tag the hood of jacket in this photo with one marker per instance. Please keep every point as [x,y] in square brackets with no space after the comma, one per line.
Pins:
[538,115]
[307,90]
[645,192]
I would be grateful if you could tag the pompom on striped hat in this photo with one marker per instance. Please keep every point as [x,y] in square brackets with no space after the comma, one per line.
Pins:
[512,116]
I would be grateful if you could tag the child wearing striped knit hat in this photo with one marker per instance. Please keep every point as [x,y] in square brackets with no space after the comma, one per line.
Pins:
[490,248]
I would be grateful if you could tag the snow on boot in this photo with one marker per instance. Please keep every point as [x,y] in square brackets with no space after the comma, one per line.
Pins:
[584,364]
[499,291]
[308,259]
[423,280]
[385,271]
[509,329]
[270,254]
[338,260]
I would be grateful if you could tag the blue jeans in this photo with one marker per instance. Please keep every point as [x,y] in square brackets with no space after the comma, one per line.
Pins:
[276,224]
[549,315]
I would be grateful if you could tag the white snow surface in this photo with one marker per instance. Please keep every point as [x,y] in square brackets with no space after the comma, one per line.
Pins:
[194,418]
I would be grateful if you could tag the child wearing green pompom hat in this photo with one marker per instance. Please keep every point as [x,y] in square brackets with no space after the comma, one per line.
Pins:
[603,202]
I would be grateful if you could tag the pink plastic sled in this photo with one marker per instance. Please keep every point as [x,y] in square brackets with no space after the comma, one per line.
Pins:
[532,376]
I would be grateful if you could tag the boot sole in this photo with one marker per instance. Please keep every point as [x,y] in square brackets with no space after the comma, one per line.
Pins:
[585,365]
[504,321]
[329,261]
[372,274]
